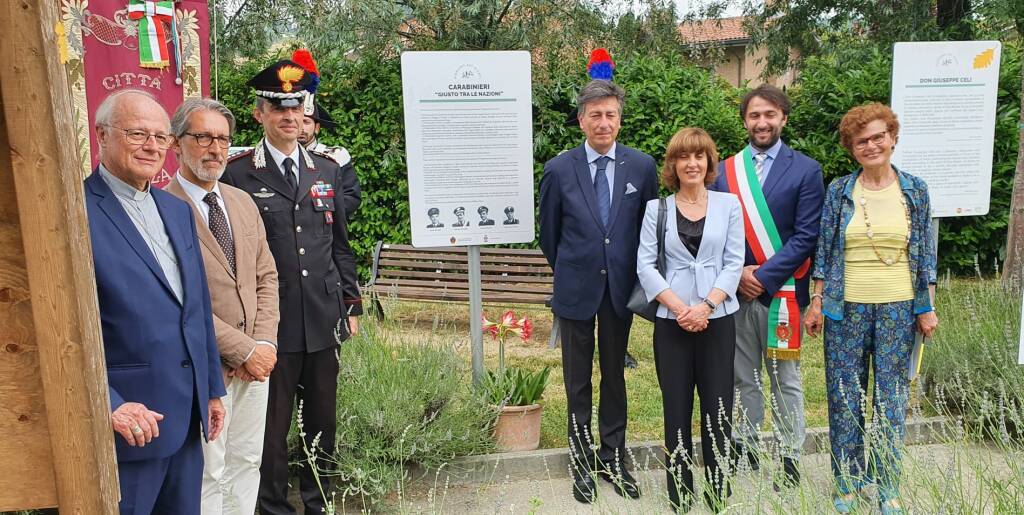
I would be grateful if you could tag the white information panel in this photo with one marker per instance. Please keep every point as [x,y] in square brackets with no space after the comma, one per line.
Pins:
[944,94]
[469,147]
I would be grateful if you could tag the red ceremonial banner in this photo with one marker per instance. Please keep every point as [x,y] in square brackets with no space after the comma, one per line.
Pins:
[109,45]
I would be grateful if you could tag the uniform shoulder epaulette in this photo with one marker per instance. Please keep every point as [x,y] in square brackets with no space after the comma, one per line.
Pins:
[339,155]
[239,153]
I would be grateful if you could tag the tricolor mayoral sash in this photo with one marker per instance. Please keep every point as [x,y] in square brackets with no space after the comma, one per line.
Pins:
[764,240]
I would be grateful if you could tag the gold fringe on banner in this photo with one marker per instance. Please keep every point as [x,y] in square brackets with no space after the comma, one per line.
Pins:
[784,354]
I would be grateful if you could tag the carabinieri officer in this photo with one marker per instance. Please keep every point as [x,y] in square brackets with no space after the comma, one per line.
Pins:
[298,194]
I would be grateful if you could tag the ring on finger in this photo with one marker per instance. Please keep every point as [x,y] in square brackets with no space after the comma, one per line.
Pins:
[137,429]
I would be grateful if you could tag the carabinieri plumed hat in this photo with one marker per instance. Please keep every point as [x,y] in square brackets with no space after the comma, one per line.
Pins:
[304,58]
[282,83]
[600,67]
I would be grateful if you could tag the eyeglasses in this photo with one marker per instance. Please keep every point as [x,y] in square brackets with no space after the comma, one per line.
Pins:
[205,140]
[874,139]
[140,137]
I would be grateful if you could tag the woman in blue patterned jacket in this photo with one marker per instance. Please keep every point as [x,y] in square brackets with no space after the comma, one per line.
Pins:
[874,280]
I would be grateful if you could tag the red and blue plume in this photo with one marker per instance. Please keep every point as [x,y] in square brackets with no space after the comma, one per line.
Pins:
[600,66]
[304,58]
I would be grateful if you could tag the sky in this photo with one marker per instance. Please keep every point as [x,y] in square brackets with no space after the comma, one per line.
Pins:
[684,7]
[615,8]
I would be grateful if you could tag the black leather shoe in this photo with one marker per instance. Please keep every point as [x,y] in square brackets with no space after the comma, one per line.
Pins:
[624,482]
[583,488]
[739,451]
[630,361]
[791,475]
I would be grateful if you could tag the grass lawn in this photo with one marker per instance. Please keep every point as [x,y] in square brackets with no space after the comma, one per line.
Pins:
[423,320]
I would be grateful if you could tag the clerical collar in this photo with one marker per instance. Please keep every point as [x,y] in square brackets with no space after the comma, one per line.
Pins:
[123,189]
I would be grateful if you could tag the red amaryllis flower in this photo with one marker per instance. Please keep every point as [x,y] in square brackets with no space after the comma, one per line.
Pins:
[526,328]
[509,324]
[508,319]
[490,327]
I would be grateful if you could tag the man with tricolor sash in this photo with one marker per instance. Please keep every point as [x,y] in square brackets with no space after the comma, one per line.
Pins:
[781,192]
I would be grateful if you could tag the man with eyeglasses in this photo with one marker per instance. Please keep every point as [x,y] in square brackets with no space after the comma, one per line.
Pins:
[243,293]
[162,361]
[296,192]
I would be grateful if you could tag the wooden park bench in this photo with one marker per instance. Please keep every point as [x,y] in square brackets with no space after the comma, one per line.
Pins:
[441,274]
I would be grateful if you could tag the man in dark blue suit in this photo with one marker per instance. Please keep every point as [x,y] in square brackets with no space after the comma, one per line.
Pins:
[793,190]
[592,201]
[161,352]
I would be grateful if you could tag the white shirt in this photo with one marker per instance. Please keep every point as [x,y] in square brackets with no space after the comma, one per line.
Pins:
[609,172]
[196,194]
[279,158]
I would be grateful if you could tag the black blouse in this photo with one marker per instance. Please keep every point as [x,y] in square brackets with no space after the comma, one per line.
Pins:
[690,232]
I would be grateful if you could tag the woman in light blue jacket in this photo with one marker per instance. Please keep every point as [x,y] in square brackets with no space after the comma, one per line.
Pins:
[694,332]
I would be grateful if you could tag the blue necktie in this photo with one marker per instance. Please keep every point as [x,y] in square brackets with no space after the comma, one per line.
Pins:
[601,190]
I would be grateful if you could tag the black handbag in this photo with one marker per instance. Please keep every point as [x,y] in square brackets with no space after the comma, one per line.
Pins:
[637,302]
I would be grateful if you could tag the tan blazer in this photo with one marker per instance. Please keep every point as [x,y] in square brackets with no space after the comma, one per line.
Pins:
[245,305]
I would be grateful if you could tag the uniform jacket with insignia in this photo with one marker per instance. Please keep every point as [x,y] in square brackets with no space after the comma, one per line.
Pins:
[349,182]
[308,236]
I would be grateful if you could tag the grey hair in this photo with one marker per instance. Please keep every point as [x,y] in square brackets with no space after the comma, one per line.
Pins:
[179,122]
[105,112]
[599,90]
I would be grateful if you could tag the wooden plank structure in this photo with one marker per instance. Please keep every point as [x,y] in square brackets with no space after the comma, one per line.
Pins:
[441,274]
[56,442]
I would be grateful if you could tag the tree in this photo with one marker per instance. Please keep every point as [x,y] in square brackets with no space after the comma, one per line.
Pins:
[387,27]
[248,28]
[792,30]
[1011,12]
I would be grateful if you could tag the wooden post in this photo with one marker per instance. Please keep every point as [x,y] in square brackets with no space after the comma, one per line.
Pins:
[56,442]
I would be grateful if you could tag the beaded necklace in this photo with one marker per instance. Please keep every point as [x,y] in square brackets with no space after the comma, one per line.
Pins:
[871,235]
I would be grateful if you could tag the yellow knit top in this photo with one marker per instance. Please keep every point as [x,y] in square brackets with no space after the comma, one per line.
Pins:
[869,280]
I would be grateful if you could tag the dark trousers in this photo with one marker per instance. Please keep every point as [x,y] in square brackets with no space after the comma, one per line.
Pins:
[170,485]
[312,379]
[703,360]
[578,367]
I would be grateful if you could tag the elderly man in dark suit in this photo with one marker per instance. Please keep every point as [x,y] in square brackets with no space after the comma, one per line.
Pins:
[158,335]
[297,192]
[592,201]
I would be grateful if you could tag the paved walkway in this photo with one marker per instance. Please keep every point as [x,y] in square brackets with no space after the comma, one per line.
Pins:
[938,478]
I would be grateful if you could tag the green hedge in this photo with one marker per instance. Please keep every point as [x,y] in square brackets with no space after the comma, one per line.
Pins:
[664,93]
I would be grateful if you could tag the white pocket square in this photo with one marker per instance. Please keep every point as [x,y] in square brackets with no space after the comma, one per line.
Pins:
[630,188]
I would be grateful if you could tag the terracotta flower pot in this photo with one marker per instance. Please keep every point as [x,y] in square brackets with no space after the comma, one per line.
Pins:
[518,428]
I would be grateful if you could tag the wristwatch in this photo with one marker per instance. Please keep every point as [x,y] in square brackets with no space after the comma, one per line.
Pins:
[709,304]
[817,295]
